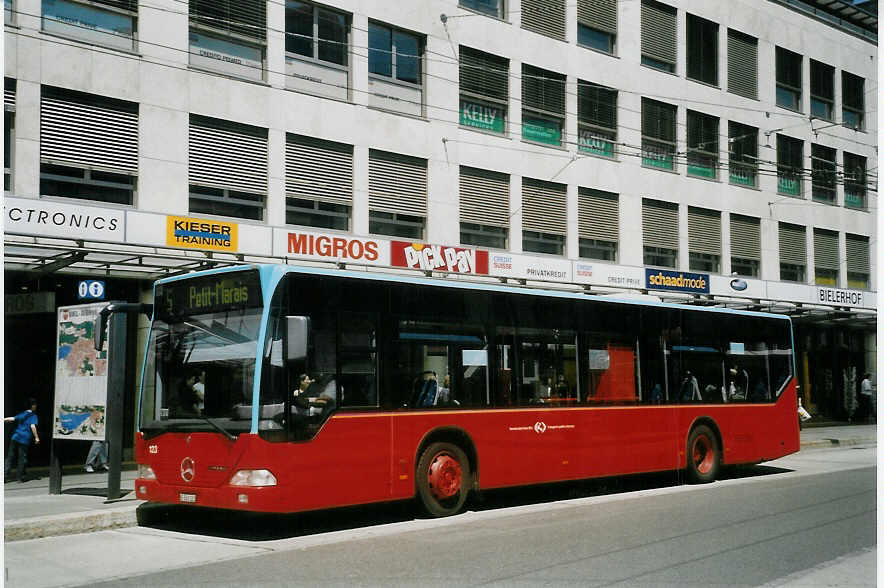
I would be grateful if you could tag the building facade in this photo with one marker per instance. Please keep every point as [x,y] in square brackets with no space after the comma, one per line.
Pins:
[705,152]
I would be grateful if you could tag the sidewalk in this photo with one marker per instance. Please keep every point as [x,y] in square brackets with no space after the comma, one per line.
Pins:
[30,512]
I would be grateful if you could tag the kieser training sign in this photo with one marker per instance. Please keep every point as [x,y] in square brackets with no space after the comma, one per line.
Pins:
[674,281]
[196,233]
[438,257]
[80,376]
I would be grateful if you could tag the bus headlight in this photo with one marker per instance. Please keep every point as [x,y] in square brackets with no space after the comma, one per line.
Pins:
[146,472]
[253,478]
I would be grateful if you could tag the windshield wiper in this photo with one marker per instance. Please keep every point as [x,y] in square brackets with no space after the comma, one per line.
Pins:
[219,428]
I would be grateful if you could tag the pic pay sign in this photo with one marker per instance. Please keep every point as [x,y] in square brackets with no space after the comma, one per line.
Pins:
[90,290]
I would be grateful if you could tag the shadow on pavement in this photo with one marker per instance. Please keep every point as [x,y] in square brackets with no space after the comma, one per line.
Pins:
[251,526]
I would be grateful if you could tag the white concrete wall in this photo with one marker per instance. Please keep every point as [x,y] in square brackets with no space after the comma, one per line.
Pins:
[159,79]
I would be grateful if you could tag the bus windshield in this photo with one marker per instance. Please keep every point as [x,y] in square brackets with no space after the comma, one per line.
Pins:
[200,363]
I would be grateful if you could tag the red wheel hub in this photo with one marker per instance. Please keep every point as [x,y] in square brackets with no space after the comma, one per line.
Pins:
[444,476]
[704,454]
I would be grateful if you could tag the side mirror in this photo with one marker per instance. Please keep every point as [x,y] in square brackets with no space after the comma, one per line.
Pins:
[297,336]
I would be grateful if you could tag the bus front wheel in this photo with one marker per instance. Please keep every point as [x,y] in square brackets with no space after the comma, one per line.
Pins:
[704,455]
[443,479]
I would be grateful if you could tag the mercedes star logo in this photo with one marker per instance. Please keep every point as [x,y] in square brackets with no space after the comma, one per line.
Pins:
[188,469]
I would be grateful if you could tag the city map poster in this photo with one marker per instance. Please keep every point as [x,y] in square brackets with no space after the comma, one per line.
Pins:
[80,375]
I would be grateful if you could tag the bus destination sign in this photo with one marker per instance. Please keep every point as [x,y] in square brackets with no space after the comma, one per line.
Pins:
[208,294]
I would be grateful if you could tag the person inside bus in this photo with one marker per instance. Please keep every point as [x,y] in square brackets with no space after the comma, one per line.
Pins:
[690,389]
[739,384]
[428,390]
[443,395]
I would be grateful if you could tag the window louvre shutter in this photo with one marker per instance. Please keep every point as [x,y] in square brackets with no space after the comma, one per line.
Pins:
[702,132]
[858,254]
[84,130]
[484,197]
[227,155]
[598,14]
[745,237]
[598,215]
[241,17]
[9,94]
[543,90]
[825,249]
[704,231]
[742,64]
[397,183]
[130,5]
[318,170]
[658,31]
[793,244]
[484,74]
[596,105]
[660,224]
[546,17]
[544,207]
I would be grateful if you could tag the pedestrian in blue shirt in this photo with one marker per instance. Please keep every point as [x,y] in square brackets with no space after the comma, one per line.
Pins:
[25,431]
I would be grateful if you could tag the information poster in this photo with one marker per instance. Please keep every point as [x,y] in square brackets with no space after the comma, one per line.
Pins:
[80,375]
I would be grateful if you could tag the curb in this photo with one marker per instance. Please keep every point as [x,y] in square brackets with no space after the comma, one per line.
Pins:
[69,524]
[830,442]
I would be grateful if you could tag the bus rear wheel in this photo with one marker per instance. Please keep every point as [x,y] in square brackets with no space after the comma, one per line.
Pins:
[443,479]
[704,455]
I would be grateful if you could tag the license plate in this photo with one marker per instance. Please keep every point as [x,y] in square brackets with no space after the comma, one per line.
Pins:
[187,497]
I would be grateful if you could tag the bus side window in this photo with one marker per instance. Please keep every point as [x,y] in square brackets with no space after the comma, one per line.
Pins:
[357,357]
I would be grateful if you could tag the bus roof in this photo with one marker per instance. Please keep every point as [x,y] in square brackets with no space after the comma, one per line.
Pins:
[466,285]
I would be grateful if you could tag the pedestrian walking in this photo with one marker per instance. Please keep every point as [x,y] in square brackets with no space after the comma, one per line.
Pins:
[97,458]
[867,394]
[25,432]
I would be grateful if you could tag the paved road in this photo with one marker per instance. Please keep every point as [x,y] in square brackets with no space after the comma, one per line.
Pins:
[805,520]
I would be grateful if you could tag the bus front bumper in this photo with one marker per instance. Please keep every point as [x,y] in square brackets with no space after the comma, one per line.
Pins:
[263,498]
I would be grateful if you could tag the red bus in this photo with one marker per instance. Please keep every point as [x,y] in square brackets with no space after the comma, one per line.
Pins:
[280,389]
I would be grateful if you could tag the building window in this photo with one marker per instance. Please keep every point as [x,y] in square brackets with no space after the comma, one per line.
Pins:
[544,216]
[702,50]
[858,264]
[88,146]
[318,182]
[745,245]
[484,90]
[9,87]
[660,233]
[742,154]
[227,168]
[317,49]
[788,79]
[823,174]
[790,162]
[111,23]
[229,36]
[793,253]
[660,257]
[9,12]
[544,17]
[537,242]
[489,7]
[704,240]
[658,134]
[854,181]
[742,64]
[397,194]
[395,67]
[395,224]
[598,224]
[596,119]
[658,22]
[822,90]
[483,235]
[826,257]
[543,105]
[852,101]
[484,208]
[597,25]
[702,145]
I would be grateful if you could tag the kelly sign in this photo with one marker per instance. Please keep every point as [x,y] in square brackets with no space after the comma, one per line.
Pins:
[675,281]
[438,257]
